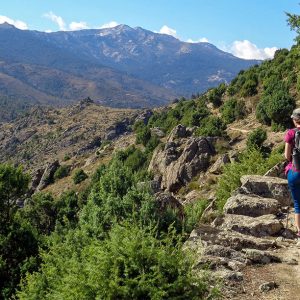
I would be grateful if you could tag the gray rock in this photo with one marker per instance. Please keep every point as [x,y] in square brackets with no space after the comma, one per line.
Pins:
[228,275]
[94,143]
[268,286]
[217,263]
[205,235]
[216,168]
[222,251]
[260,257]
[178,131]
[191,197]
[111,135]
[250,206]
[48,174]
[144,116]
[269,187]
[178,162]
[166,201]
[266,225]
[157,131]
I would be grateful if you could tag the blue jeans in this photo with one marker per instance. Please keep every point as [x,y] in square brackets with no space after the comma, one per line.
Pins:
[293,178]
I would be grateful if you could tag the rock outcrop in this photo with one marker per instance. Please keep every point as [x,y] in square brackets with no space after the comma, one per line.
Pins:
[48,174]
[249,232]
[182,157]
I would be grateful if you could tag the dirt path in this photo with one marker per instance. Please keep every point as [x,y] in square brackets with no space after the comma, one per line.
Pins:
[286,275]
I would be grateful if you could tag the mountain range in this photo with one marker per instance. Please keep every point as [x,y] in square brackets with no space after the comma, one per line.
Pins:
[118,67]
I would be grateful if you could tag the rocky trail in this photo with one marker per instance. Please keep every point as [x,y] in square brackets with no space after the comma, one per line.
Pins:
[252,246]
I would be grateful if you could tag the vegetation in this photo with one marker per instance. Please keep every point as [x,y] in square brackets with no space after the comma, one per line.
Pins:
[79,176]
[113,240]
[62,172]
[251,161]
[256,138]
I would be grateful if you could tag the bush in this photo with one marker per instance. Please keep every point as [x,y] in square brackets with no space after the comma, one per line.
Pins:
[232,110]
[256,138]
[249,88]
[275,108]
[130,264]
[251,161]
[193,213]
[79,176]
[211,126]
[61,172]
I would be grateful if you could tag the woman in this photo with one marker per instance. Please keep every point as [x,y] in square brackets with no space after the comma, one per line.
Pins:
[293,175]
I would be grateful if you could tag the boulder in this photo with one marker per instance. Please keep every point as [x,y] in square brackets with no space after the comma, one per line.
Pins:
[179,161]
[94,143]
[36,179]
[269,187]
[250,206]
[48,174]
[166,201]
[266,225]
[192,197]
[216,168]
[158,132]
[268,286]
[144,116]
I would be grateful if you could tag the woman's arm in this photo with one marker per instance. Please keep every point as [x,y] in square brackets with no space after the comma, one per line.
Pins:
[288,151]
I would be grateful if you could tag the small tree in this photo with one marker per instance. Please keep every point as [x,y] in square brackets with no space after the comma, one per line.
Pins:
[62,172]
[13,185]
[79,176]
[256,138]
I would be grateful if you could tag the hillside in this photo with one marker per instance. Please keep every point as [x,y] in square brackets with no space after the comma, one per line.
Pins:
[47,134]
[119,67]
[185,200]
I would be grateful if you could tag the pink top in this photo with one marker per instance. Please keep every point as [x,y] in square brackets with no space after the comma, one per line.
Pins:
[289,138]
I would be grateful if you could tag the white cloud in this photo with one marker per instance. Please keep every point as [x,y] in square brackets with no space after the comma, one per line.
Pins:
[247,50]
[56,19]
[78,25]
[17,23]
[202,40]
[167,30]
[109,25]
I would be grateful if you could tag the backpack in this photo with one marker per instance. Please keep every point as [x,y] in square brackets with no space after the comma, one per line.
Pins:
[296,150]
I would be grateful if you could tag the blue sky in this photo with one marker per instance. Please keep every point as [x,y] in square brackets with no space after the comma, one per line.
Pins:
[246,28]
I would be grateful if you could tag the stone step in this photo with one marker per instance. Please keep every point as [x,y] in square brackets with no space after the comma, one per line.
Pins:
[253,206]
[205,235]
[262,226]
[268,187]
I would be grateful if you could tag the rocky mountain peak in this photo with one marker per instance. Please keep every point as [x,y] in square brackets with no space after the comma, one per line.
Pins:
[6,25]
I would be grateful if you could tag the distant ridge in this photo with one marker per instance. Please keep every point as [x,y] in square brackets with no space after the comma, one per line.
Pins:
[118,67]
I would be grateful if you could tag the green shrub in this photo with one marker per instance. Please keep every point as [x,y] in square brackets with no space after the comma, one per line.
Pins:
[61,172]
[249,88]
[193,213]
[66,157]
[130,264]
[211,126]
[143,135]
[79,176]
[298,84]
[275,108]
[215,95]
[256,138]
[232,110]
[252,162]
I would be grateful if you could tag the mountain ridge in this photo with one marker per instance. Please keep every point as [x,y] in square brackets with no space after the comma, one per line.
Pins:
[119,67]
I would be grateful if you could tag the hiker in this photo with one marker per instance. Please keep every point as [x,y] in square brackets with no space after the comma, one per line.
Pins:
[292,170]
